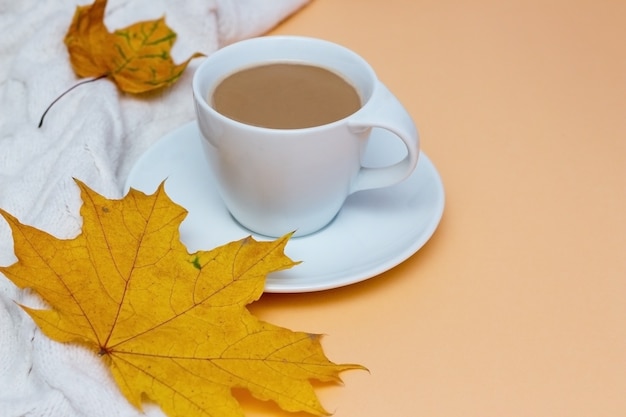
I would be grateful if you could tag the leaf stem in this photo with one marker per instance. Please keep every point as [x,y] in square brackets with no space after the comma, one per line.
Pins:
[67,91]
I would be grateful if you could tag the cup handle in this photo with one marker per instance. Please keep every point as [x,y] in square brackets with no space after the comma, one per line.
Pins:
[386,112]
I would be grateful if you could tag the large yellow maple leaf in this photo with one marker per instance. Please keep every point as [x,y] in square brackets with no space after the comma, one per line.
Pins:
[172,326]
[137,58]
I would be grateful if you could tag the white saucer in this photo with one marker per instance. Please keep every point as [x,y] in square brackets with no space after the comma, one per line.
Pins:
[374,231]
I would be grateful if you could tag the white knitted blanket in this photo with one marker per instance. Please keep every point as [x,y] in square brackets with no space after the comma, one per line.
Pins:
[95,134]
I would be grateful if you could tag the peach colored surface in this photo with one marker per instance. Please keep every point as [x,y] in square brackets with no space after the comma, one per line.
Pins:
[517,305]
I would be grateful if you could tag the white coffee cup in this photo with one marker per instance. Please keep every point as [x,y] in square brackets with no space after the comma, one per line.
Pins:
[276,181]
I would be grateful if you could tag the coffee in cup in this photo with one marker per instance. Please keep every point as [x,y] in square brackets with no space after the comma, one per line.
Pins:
[285,96]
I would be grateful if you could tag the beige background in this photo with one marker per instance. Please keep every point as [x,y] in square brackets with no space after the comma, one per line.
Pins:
[517,305]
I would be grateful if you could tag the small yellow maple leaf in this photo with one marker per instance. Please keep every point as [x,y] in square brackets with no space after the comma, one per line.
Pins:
[172,326]
[137,58]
